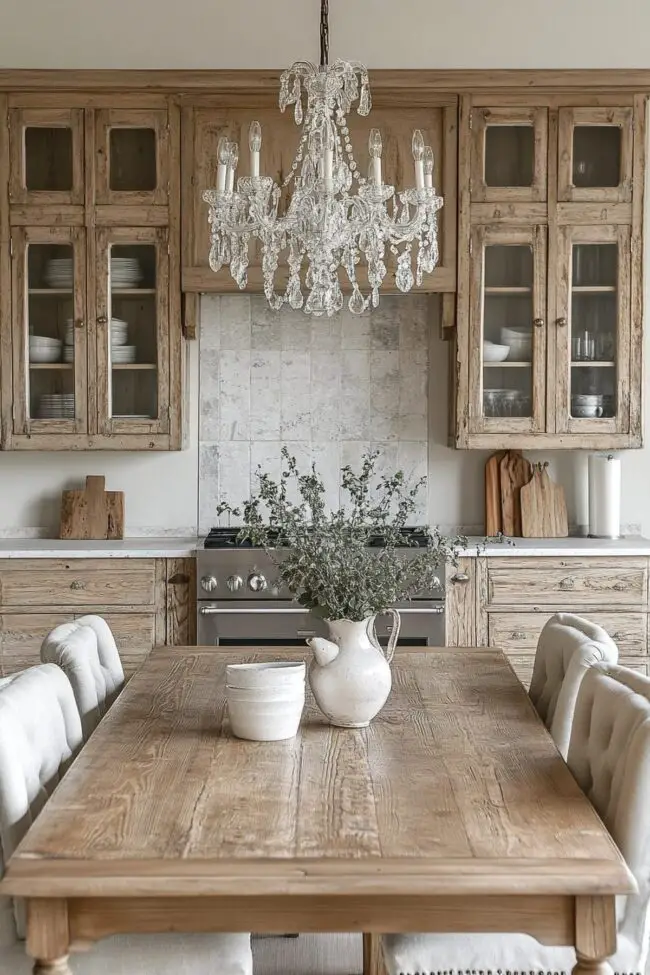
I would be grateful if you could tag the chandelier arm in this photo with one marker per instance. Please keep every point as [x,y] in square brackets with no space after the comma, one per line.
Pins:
[324,34]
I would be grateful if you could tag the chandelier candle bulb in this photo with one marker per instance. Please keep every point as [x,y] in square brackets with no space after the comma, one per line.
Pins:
[232,165]
[255,144]
[223,154]
[418,155]
[375,148]
[428,167]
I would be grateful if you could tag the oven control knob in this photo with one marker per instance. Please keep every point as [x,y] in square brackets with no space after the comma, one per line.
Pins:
[209,583]
[257,583]
[234,583]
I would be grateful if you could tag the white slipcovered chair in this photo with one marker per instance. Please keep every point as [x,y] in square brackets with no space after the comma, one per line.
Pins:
[86,651]
[567,647]
[40,732]
[609,755]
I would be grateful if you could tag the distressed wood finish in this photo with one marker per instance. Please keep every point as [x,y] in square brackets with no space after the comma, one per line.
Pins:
[520,631]
[543,506]
[568,584]
[514,472]
[6,365]
[53,582]
[636,272]
[535,118]
[181,602]
[60,117]
[569,118]
[460,607]
[183,849]
[155,120]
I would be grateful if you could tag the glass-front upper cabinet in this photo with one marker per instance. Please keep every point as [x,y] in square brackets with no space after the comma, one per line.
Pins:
[595,148]
[48,293]
[132,155]
[507,334]
[132,281]
[509,154]
[47,152]
[593,330]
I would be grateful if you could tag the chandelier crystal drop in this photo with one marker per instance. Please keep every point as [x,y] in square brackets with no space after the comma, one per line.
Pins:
[335,218]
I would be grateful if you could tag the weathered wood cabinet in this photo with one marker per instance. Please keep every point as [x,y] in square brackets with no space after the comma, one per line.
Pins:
[91,214]
[146,602]
[504,602]
[550,272]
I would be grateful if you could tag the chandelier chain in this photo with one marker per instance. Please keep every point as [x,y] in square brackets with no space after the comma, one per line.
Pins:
[324,33]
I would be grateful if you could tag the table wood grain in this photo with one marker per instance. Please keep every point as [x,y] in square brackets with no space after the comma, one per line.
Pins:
[452,811]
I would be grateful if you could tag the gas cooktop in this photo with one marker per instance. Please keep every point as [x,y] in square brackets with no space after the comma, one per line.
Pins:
[413,537]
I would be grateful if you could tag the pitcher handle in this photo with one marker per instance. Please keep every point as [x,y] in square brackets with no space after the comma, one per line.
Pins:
[389,652]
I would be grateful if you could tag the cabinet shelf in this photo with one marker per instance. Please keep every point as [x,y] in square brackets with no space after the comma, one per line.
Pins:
[592,364]
[507,365]
[507,291]
[134,365]
[51,292]
[131,292]
[51,365]
[604,289]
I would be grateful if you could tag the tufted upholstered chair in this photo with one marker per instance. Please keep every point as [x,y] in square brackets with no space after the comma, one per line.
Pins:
[85,650]
[609,756]
[40,732]
[567,646]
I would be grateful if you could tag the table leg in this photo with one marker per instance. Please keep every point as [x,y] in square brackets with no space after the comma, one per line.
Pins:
[48,937]
[373,960]
[595,935]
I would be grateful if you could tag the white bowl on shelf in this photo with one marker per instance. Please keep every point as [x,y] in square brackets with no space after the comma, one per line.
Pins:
[495,353]
[44,355]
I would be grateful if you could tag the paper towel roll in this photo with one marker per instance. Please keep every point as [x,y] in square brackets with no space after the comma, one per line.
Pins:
[604,496]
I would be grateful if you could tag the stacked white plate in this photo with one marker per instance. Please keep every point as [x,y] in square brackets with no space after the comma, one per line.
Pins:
[59,272]
[125,272]
[122,354]
[265,700]
[44,349]
[119,332]
[56,406]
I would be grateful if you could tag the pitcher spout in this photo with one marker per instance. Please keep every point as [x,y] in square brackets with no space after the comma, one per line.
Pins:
[324,650]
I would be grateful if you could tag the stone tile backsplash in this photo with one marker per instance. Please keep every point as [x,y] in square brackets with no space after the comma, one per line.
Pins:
[330,389]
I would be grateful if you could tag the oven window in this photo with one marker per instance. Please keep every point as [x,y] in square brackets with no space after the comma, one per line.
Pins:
[239,642]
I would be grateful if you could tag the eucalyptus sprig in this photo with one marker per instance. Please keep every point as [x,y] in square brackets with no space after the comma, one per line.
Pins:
[323,556]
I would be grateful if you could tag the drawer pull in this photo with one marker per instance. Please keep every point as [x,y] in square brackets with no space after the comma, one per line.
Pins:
[517,635]
[77,585]
[460,577]
[568,583]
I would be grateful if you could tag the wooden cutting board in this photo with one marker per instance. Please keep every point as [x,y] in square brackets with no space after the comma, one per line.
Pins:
[543,507]
[92,512]
[493,520]
[514,472]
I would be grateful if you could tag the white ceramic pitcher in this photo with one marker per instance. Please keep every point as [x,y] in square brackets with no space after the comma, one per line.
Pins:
[350,673]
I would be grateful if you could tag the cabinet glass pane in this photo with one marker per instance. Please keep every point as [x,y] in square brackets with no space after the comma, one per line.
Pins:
[132,159]
[594,313]
[508,330]
[50,351]
[509,155]
[596,155]
[133,331]
[48,158]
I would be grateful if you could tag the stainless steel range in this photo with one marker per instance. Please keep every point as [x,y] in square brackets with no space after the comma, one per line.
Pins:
[238,605]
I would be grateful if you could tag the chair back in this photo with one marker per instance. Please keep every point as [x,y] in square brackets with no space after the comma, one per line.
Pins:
[40,733]
[609,755]
[568,646]
[109,656]
[73,648]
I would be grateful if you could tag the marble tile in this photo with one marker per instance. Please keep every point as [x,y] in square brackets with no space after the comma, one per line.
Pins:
[210,322]
[302,454]
[413,382]
[234,472]
[209,397]
[355,331]
[384,366]
[326,334]
[386,462]
[384,327]
[327,458]
[384,403]
[265,396]
[415,322]
[352,452]
[209,485]
[355,411]
[355,366]
[412,426]
[234,395]
[296,412]
[266,458]
[412,458]
[295,333]
[236,331]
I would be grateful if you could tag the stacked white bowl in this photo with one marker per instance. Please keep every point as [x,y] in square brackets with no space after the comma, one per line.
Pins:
[265,700]
[44,349]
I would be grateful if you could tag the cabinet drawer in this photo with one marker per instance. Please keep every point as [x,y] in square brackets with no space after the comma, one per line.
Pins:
[520,631]
[21,635]
[567,583]
[77,582]
[522,664]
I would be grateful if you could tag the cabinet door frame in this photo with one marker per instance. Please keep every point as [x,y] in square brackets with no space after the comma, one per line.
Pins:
[480,120]
[104,238]
[620,423]
[156,119]
[569,118]
[22,118]
[23,424]
[483,236]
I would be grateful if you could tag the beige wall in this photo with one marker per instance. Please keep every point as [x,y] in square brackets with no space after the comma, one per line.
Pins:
[272,33]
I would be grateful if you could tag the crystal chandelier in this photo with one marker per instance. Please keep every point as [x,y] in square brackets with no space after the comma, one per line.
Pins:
[328,223]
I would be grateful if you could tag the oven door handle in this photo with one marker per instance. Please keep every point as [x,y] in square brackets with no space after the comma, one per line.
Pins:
[215,610]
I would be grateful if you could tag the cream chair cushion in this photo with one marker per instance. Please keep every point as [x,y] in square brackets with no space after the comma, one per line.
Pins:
[609,755]
[74,648]
[568,645]
[109,657]
[40,732]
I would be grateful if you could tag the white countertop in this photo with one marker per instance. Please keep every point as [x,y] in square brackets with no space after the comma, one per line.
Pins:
[560,547]
[128,548]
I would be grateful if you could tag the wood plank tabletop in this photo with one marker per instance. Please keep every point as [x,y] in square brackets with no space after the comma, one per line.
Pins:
[455,788]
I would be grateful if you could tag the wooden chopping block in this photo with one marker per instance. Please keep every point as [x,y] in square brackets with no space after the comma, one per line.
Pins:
[493,520]
[92,512]
[514,472]
[543,507]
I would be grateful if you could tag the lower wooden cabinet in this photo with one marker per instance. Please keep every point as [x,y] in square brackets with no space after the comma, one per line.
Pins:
[146,602]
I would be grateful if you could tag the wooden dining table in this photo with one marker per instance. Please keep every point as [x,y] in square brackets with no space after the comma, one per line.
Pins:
[452,811]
